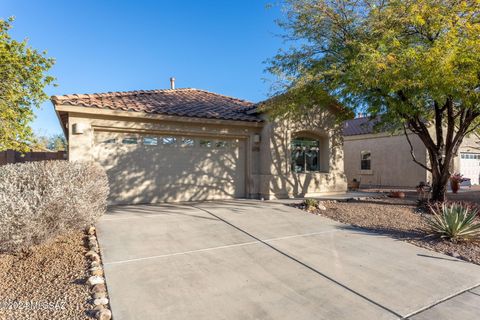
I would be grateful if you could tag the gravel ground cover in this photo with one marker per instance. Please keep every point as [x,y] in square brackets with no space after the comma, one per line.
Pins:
[398,218]
[46,283]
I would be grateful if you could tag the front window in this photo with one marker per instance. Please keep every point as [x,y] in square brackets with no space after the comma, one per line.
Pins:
[366,161]
[305,155]
[150,141]
[206,143]
[109,141]
[130,140]
[168,141]
[221,144]
[187,142]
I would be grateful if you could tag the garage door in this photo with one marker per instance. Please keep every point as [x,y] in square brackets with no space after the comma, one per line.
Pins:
[470,166]
[150,168]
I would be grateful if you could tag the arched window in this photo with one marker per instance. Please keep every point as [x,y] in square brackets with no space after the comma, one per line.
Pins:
[305,154]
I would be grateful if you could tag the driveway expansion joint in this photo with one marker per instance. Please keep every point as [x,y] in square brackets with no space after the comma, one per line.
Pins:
[305,265]
[220,247]
[438,302]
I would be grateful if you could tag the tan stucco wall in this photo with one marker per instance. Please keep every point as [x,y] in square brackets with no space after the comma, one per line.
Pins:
[391,161]
[392,164]
[133,180]
[276,177]
[266,166]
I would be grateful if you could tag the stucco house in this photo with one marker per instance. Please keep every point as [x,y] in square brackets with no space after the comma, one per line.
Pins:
[379,158]
[190,144]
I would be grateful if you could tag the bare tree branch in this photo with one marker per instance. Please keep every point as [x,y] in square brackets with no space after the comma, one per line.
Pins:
[412,152]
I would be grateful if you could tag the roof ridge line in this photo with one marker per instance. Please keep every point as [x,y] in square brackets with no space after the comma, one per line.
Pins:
[117,93]
[224,95]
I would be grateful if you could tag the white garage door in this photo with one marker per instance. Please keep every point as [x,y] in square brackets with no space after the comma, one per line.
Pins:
[149,168]
[470,166]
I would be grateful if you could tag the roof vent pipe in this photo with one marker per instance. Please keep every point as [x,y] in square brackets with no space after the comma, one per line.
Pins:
[172,83]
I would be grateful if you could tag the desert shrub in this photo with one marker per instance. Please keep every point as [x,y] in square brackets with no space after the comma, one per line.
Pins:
[454,221]
[310,204]
[40,200]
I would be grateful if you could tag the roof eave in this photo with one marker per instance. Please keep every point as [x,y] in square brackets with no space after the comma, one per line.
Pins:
[153,116]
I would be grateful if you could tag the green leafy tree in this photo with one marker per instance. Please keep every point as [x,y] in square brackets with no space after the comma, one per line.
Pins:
[415,65]
[57,142]
[23,79]
[40,143]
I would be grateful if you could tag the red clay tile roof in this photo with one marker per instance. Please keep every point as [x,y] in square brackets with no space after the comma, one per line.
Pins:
[176,102]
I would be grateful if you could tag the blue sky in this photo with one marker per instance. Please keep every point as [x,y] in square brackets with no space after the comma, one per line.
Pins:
[102,46]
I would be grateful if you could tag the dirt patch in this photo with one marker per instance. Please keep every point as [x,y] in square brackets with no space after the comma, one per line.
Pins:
[46,283]
[397,218]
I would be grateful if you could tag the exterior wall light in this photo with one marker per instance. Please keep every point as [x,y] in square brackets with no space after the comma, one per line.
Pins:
[78,128]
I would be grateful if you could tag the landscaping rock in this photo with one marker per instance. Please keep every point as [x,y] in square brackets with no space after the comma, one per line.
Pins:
[100,301]
[321,207]
[97,272]
[98,308]
[99,288]
[91,230]
[398,218]
[94,247]
[95,264]
[99,295]
[93,280]
[92,238]
[48,272]
[93,256]
[104,314]
[94,268]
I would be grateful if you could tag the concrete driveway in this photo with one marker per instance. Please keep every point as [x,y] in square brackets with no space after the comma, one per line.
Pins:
[262,260]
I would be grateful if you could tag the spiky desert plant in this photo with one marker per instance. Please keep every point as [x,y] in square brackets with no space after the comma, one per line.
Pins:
[310,204]
[454,221]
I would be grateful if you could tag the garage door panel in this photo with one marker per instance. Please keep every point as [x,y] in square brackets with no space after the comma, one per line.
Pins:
[470,166]
[148,173]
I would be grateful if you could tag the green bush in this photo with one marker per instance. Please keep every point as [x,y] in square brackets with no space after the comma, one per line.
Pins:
[40,200]
[310,204]
[454,221]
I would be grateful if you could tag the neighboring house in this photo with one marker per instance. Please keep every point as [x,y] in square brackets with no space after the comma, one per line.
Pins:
[189,144]
[383,159]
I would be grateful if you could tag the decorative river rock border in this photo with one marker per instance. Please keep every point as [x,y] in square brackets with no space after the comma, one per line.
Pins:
[96,281]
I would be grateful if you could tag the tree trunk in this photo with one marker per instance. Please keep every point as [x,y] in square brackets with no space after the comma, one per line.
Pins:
[439,189]
[440,166]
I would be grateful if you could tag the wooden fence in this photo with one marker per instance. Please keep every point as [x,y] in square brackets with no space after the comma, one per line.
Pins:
[11,156]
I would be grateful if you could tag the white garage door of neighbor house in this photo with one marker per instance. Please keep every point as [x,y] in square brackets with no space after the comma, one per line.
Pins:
[470,166]
[153,168]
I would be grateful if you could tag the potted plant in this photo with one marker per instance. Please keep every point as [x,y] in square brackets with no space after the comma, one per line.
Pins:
[397,194]
[354,185]
[455,180]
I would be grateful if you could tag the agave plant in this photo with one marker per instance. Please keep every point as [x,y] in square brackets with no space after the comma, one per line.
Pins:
[310,204]
[454,221]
